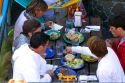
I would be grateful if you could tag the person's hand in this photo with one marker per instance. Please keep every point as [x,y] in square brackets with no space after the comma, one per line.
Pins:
[51,73]
[108,42]
[48,23]
[68,50]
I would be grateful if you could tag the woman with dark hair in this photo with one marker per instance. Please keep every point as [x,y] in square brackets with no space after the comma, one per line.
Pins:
[109,68]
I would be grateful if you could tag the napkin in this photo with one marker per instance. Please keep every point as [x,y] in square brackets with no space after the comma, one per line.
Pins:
[93,28]
[87,78]
[56,26]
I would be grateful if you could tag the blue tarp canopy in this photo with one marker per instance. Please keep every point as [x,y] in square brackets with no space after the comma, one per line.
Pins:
[23,3]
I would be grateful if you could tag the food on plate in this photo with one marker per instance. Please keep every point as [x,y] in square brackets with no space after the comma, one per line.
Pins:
[54,35]
[75,37]
[75,63]
[63,72]
[69,57]
[64,76]
[68,78]
[88,58]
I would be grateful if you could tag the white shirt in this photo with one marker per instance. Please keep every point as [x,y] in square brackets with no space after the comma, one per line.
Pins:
[18,25]
[29,66]
[109,68]
[83,50]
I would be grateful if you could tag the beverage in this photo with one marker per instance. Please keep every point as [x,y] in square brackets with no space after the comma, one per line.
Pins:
[59,47]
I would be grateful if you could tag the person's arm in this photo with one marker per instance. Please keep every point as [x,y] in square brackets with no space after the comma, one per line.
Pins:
[34,76]
[82,50]
[51,67]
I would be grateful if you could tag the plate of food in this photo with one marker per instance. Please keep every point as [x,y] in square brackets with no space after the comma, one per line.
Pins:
[54,34]
[88,58]
[73,38]
[66,74]
[73,62]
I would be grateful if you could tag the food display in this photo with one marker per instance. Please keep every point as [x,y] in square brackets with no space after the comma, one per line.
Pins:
[72,62]
[66,74]
[88,58]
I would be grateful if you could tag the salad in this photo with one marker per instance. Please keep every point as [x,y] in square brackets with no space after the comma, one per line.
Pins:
[75,63]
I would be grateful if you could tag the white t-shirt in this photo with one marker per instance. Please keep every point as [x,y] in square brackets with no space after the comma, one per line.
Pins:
[18,25]
[29,66]
[109,68]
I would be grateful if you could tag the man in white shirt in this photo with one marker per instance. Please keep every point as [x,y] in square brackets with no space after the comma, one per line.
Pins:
[29,63]
[109,68]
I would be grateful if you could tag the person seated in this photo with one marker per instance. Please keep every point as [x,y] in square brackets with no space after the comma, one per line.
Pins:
[29,62]
[30,26]
[109,68]
[35,9]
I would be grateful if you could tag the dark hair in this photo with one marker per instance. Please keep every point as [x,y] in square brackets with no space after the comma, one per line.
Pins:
[36,5]
[97,46]
[118,21]
[30,25]
[38,38]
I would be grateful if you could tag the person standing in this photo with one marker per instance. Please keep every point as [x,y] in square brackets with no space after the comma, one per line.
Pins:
[117,28]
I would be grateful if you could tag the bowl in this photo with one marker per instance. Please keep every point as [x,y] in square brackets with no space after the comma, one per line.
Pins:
[50,53]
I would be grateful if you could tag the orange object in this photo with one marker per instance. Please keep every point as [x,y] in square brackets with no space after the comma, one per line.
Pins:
[16,81]
[67,78]
[77,9]
[1,2]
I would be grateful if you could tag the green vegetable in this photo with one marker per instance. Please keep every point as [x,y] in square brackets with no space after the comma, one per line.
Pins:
[76,63]
[88,58]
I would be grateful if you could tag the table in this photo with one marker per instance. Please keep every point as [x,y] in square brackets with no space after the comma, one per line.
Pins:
[88,69]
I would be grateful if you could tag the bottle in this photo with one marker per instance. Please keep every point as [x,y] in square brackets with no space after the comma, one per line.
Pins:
[77,18]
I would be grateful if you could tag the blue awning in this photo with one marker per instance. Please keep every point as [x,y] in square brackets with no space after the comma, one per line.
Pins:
[23,3]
